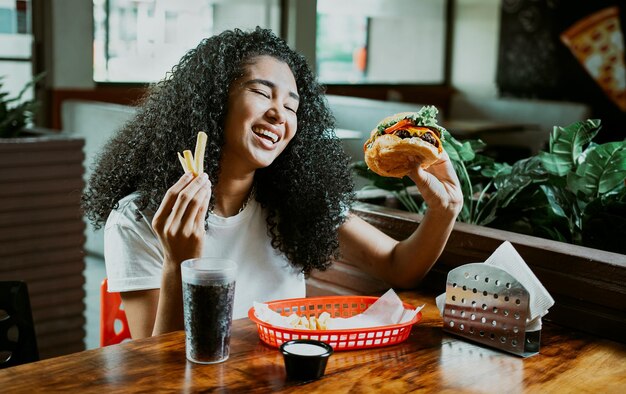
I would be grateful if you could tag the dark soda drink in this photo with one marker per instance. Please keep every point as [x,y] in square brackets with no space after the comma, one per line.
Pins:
[208,297]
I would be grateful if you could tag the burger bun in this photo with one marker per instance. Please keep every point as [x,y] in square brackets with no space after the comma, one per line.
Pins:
[392,156]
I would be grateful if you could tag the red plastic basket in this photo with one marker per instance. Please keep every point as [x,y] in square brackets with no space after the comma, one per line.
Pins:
[345,339]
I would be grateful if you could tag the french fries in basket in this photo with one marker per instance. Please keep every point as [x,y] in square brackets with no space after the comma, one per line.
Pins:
[194,162]
[309,323]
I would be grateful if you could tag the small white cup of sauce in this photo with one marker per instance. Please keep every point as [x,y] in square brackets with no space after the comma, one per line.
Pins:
[305,359]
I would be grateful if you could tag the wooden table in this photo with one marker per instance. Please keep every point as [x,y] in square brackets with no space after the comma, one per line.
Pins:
[429,361]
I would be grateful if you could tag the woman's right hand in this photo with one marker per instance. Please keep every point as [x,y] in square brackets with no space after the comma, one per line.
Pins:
[179,221]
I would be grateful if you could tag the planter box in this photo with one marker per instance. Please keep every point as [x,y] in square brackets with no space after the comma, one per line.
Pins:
[41,233]
[588,285]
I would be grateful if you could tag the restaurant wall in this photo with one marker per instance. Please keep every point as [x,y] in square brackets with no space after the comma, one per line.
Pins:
[72,45]
[475,47]
[421,44]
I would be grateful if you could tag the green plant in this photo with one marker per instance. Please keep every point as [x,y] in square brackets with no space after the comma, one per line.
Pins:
[15,113]
[575,192]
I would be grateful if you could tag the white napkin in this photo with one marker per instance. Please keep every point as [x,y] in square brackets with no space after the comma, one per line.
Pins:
[506,257]
[387,310]
[264,313]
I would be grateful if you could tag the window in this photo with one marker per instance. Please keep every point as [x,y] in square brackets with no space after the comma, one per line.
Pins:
[15,47]
[343,59]
[381,41]
[357,41]
[140,40]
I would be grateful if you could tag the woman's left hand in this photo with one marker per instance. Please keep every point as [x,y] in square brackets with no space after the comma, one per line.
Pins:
[439,185]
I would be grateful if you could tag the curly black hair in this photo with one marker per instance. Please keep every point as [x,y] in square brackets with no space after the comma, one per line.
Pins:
[306,190]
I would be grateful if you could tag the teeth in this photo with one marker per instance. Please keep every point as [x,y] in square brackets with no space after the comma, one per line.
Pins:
[273,136]
[266,133]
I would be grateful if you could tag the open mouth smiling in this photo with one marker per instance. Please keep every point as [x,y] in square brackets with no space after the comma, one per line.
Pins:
[264,133]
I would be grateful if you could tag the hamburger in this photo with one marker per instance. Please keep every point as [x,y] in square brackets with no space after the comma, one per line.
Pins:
[399,138]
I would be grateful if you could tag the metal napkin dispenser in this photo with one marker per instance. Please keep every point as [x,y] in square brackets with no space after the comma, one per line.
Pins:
[485,304]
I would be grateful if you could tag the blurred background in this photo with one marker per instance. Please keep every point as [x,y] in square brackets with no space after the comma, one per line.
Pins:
[401,50]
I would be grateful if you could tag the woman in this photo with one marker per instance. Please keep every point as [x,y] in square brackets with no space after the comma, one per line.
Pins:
[275,195]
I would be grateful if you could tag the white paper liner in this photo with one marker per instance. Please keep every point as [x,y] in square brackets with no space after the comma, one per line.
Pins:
[387,310]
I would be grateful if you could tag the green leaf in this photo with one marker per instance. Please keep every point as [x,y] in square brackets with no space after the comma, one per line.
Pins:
[531,208]
[604,222]
[566,145]
[556,201]
[522,174]
[477,145]
[28,85]
[408,202]
[14,118]
[603,169]
[460,154]
[565,204]
[496,169]
[426,116]
[458,151]
[464,178]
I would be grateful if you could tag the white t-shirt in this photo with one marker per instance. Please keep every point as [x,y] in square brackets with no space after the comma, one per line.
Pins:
[134,257]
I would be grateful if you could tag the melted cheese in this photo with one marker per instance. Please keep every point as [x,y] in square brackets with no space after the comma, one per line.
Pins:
[420,131]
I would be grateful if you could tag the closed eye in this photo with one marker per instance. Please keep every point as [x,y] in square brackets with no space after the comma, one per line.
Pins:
[290,109]
[261,92]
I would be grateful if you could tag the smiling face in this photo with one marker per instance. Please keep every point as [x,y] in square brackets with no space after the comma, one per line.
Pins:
[261,118]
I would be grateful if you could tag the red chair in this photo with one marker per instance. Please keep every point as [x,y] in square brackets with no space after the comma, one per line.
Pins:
[110,312]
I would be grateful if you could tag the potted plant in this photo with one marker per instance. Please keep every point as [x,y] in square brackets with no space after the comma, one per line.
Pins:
[16,113]
[41,226]
[575,192]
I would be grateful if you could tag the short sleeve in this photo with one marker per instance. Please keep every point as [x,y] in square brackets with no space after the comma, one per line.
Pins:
[132,253]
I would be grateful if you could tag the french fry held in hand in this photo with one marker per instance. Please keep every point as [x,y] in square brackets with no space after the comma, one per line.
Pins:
[194,162]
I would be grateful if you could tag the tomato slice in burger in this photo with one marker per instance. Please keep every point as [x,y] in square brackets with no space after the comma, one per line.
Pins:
[404,123]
